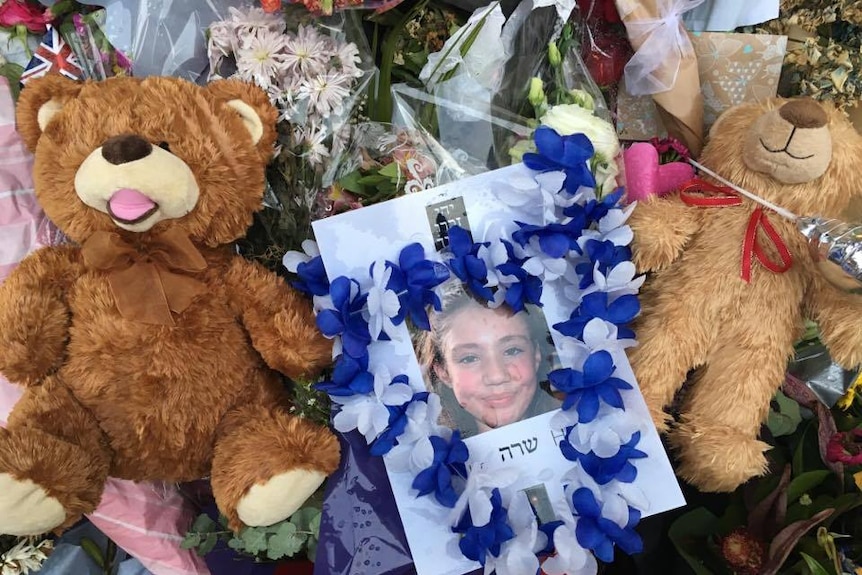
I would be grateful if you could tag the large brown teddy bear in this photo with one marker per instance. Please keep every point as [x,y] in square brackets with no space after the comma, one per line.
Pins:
[146,349]
[699,312]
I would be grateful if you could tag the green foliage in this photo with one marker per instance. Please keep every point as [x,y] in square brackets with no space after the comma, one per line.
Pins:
[272,543]
[785,419]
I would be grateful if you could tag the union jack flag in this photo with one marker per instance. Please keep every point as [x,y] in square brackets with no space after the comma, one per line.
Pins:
[52,56]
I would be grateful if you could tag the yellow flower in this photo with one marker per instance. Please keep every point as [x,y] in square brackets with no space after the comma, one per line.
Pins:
[857,478]
[847,399]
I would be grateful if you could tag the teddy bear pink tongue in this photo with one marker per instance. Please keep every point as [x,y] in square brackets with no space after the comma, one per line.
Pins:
[129,204]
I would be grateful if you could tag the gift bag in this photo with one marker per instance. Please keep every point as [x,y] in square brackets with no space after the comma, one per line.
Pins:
[733,69]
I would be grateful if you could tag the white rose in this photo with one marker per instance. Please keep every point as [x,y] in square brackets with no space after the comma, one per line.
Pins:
[568,119]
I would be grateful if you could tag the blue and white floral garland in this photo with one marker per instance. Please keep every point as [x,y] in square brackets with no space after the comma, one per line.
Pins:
[584,245]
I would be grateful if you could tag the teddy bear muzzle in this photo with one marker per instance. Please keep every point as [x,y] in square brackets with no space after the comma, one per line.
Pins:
[792,143]
[136,183]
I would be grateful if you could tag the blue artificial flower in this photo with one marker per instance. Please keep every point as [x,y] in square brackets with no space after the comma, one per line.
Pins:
[526,289]
[414,281]
[449,457]
[555,240]
[312,277]
[598,534]
[606,254]
[398,421]
[350,376]
[620,312]
[569,154]
[595,209]
[466,264]
[346,319]
[605,469]
[585,388]
[548,529]
[478,541]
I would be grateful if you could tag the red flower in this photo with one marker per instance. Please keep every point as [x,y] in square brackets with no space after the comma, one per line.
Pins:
[17,12]
[744,552]
[270,6]
[601,10]
[845,447]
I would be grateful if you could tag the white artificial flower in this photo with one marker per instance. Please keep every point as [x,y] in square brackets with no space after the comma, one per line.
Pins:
[615,218]
[368,413]
[495,254]
[518,555]
[540,264]
[620,280]
[604,435]
[614,497]
[477,493]
[292,259]
[571,558]
[414,451]
[383,304]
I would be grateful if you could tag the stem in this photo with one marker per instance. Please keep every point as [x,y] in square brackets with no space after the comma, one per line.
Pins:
[383,110]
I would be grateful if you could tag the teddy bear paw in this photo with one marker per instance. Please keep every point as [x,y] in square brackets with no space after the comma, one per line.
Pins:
[279,498]
[26,509]
[717,458]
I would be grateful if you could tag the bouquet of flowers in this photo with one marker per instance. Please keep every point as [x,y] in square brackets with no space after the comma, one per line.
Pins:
[315,71]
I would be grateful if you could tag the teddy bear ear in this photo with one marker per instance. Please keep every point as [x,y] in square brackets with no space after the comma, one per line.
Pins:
[40,101]
[254,109]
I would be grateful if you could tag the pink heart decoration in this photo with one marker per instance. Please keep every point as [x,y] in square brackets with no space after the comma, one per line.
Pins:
[645,177]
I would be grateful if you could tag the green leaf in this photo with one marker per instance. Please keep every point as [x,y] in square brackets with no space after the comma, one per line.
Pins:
[311,551]
[204,524]
[254,540]
[813,565]
[372,180]
[208,544]
[285,542]
[786,419]
[190,541]
[93,551]
[688,534]
[350,182]
[12,72]
[391,170]
[805,482]
[302,518]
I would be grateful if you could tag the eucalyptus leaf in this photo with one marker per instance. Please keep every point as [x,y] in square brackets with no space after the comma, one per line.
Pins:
[302,518]
[204,524]
[314,524]
[208,544]
[254,540]
[190,541]
[786,419]
[236,544]
[285,543]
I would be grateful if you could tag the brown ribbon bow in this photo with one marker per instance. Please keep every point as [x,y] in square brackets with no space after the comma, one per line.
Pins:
[148,280]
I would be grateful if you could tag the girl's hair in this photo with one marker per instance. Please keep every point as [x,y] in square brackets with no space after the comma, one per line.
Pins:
[429,346]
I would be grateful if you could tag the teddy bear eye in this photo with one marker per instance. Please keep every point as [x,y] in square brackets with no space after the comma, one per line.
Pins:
[165,146]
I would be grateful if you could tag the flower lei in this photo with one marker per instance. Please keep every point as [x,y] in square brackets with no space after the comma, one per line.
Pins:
[584,246]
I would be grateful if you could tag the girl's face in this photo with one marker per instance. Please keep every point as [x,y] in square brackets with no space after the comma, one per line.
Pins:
[490,362]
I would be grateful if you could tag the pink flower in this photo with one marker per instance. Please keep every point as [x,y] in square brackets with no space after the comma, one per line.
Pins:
[19,13]
[845,447]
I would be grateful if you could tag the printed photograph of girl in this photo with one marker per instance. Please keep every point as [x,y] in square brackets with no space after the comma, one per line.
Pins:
[489,366]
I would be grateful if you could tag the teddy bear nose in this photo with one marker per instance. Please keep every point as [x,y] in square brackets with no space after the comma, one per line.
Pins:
[126,148]
[804,114]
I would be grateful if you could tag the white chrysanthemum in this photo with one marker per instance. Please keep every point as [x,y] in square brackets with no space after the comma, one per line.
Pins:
[25,557]
[305,53]
[253,18]
[259,58]
[326,93]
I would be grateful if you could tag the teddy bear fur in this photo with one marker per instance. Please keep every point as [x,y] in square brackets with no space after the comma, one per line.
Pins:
[699,314]
[106,395]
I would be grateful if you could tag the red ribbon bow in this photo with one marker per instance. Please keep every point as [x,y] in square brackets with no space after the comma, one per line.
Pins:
[703,194]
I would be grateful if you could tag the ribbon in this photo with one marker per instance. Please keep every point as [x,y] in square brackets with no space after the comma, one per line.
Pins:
[662,43]
[691,194]
[148,279]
